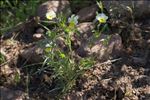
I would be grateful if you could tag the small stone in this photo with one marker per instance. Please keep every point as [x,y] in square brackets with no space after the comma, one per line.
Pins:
[40,30]
[38,36]
[88,13]
[118,46]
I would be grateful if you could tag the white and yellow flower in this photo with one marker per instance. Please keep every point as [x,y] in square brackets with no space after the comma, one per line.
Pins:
[102,18]
[73,20]
[50,15]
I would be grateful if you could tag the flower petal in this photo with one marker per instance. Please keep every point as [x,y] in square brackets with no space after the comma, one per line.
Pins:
[50,15]
[102,18]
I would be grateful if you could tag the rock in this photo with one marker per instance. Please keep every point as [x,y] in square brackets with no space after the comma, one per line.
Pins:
[141,8]
[61,43]
[120,93]
[32,54]
[139,61]
[99,49]
[103,51]
[148,41]
[117,49]
[75,42]
[40,30]
[81,44]
[88,13]
[83,50]
[6,70]
[85,29]
[77,5]
[57,6]
[141,80]
[38,36]
[8,94]
[22,31]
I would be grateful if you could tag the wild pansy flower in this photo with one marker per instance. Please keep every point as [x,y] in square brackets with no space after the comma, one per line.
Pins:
[50,15]
[102,18]
[73,20]
[48,47]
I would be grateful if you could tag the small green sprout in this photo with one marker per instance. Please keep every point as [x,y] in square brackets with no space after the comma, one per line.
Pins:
[100,5]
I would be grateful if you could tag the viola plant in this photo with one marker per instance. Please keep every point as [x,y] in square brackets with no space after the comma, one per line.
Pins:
[63,63]
[101,17]
[71,29]
[66,68]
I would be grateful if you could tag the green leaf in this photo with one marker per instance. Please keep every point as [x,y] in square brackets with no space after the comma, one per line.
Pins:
[100,5]
[62,55]
[17,77]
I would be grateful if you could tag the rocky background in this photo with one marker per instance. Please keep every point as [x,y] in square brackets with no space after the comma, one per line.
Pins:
[127,77]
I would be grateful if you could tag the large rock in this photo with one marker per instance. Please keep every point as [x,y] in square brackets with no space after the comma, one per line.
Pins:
[77,5]
[88,13]
[102,50]
[85,29]
[54,5]
[141,8]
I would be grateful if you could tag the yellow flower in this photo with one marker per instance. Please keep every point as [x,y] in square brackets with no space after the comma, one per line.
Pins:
[50,15]
[102,18]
